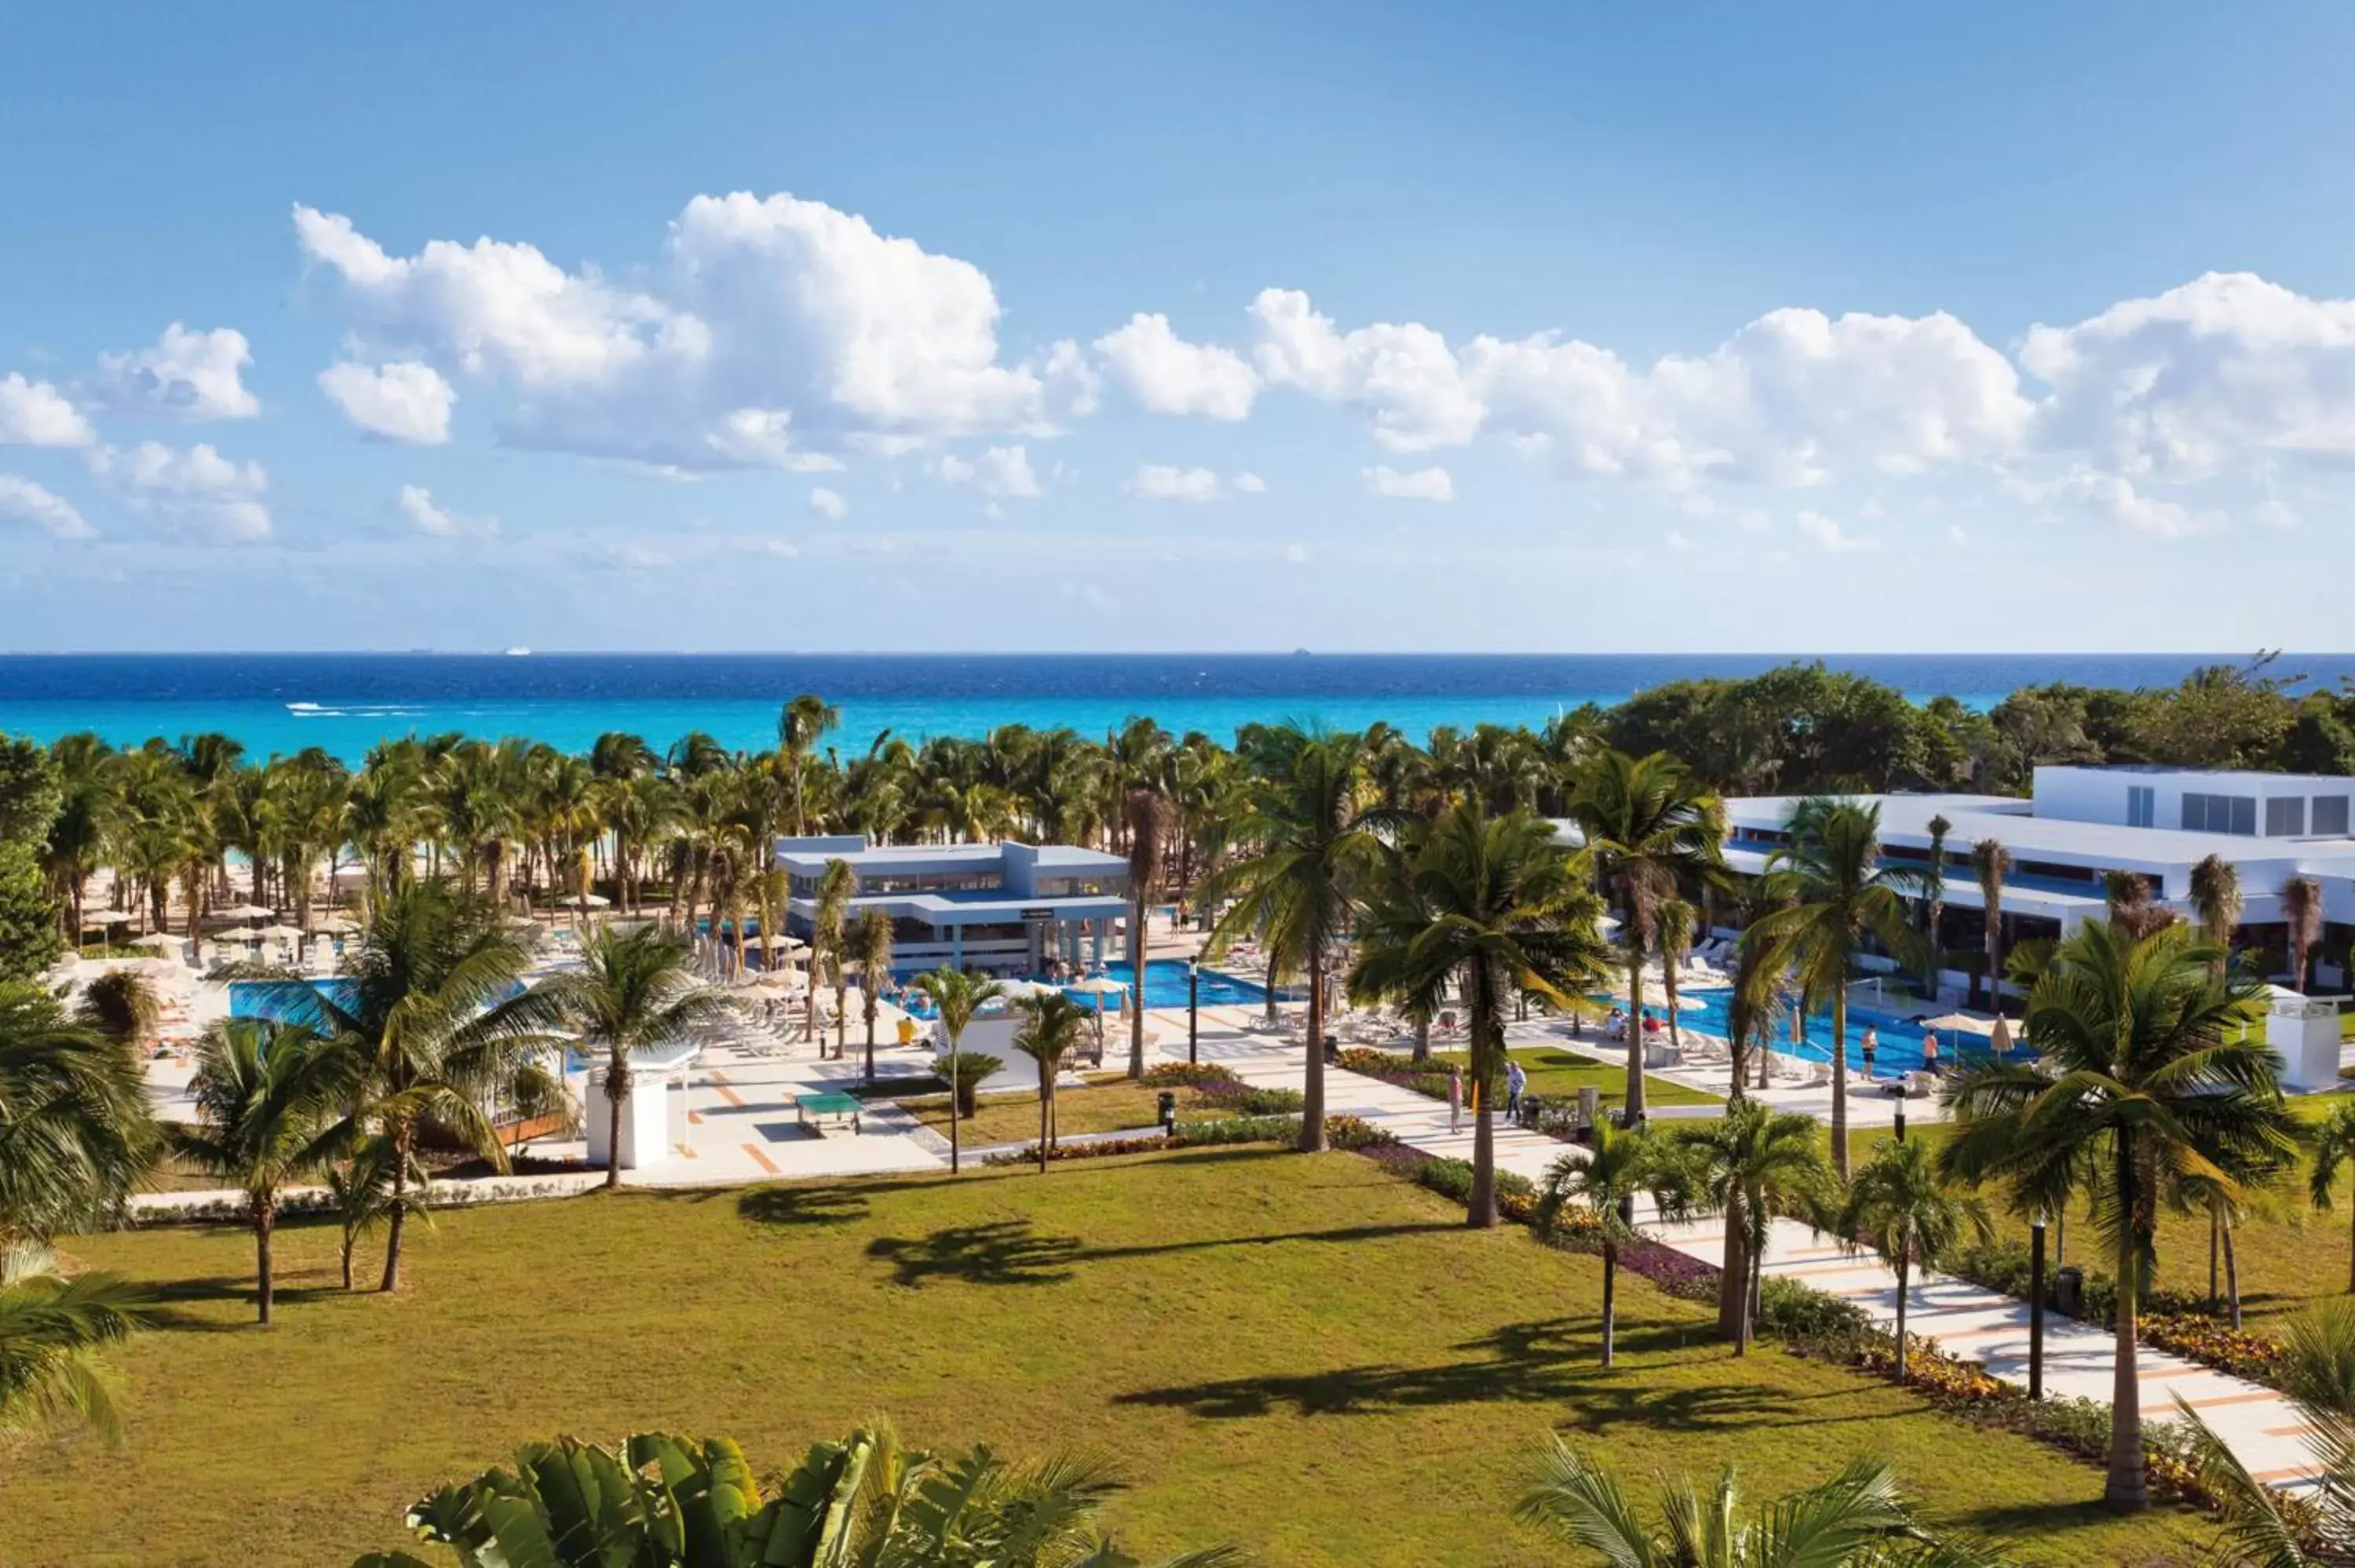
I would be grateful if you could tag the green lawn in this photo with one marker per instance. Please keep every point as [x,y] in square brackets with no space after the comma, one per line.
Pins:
[1554,1071]
[1301,1354]
[1111,1105]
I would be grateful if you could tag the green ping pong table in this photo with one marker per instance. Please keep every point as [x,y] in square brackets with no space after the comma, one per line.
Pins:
[814,1110]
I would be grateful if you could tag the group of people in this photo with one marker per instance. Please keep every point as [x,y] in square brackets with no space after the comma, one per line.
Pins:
[1869,1046]
[1516,1083]
[1615,1026]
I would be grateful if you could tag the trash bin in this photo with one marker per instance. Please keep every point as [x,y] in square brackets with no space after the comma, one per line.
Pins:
[1589,1102]
[2069,1290]
[1168,1113]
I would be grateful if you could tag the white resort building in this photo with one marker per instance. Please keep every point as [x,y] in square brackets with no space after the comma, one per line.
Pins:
[2081,823]
[1005,909]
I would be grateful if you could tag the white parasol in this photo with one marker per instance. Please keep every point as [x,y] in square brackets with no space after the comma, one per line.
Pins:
[98,918]
[244,912]
[1961,1023]
[161,941]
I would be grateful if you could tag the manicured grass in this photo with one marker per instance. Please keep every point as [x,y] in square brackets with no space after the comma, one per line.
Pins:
[1300,1354]
[1554,1072]
[1108,1106]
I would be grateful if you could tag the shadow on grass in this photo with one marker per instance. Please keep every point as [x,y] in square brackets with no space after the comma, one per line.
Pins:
[174,1297]
[1008,1251]
[1545,1361]
[2033,1521]
[803,1205]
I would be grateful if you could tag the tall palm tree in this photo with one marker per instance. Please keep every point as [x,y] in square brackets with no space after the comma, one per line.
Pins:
[1497,906]
[829,935]
[52,1328]
[1146,813]
[437,1009]
[1052,1023]
[267,1101]
[2216,899]
[1856,1520]
[1673,923]
[957,996]
[1652,828]
[1602,1183]
[1305,848]
[1903,1208]
[2145,1068]
[2301,909]
[1933,897]
[804,721]
[1991,864]
[872,940]
[121,1004]
[76,1135]
[635,991]
[2334,1150]
[1837,893]
[1753,1165]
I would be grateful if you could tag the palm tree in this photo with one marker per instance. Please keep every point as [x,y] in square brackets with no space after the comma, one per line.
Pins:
[872,938]
[2144,1069]
[1991,862]
[1049,1033]
[1146,814]
[829,930]
[1307,847]
[804,721]
[361,1191]
[1673,923]
[76,1134]
[1838,893]
[1753,1165]
[438,1011]
[696,1502]
[1496,906]
[1900,1207]
[2216,899]
[2301,909]
[635,991]
[957,997]
[267,1098]
[52,1328]
[1602,1181]
[1933,897]
[1856,1520]
[122,1005]
[1652,828]
[2334,1146]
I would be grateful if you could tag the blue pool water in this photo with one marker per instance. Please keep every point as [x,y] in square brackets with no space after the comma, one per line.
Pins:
[275,1000]
[1165,985]
[1900,1049]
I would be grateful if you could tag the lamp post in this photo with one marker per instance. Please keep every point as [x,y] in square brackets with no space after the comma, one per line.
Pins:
[1193,1009]
[1901,1121]
[2036,1308]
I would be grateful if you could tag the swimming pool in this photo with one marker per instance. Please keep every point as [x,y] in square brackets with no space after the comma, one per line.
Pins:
[278,1001]
[1900,1049]
[1165,985]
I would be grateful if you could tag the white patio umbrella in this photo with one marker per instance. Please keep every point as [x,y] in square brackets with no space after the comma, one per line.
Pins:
[244,912]
[160,940]
[98,918]
[281,933]
[333,925]
[1999,1041]
[1961,1023]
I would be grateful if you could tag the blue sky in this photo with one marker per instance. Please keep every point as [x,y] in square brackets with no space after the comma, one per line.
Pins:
[1215,327]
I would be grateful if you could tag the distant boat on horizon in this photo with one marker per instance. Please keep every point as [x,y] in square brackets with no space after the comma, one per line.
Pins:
[518,652]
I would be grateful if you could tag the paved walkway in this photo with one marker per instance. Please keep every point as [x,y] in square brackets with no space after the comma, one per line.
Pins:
[2260,1425]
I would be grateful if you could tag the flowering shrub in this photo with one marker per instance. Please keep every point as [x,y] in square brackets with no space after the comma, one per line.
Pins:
[1390,1068]
[1245,1100]
[1357,1135]
[1187,1075]
[2198,1337]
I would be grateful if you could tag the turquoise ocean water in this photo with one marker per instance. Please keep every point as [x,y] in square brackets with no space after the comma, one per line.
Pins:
[346,702]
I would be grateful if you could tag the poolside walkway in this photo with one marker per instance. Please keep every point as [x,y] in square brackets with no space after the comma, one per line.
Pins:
[2263,1428]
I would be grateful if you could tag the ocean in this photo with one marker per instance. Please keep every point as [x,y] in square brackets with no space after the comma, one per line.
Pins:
[345,703]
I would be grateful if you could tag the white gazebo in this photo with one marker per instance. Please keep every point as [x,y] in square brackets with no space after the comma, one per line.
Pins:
[653,1116]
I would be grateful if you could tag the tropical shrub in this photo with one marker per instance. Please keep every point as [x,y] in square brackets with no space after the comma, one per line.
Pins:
[972,1067]
[1355,1134]
[662,1501]
[1187,1075]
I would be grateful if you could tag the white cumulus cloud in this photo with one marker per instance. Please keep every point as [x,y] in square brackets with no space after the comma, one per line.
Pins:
[1163,481]
[403,401]
[23,500]
[1166,375]
[191,375]
[199,485]
[764,317]
[428,516]
[1249,485]
[1422,485]
[999,472]
[35,414]
[829,503]
[1825,535]
[1405,377]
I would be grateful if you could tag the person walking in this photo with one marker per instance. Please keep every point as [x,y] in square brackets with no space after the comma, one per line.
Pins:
[1456,1099]
[1871,1045]
[1929,1050]
[1516,1080]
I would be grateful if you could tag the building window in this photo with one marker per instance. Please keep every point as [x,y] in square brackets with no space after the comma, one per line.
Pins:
[2285,817]
[2221,814]
[2142,806]
[2330,814]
